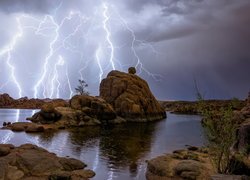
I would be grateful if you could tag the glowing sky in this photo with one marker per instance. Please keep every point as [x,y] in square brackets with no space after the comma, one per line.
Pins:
[46,46]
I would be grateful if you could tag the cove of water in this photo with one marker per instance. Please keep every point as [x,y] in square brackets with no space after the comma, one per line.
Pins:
[117,152]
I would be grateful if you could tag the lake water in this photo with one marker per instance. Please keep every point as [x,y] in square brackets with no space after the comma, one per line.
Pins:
[117,152]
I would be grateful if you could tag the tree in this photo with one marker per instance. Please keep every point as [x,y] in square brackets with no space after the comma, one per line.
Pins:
[81,88]
[220,130]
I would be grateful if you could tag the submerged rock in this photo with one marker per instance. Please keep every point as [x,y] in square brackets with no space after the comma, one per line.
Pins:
[32,162]
[25,126]
[130,97]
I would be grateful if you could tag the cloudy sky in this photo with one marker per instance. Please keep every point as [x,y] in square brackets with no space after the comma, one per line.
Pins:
[46,46]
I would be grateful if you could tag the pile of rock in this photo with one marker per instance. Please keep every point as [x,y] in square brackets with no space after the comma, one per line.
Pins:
[83,110]
[123,97]
[31,162]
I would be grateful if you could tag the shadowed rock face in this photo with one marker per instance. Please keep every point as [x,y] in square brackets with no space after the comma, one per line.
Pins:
[93,106]
[131,97]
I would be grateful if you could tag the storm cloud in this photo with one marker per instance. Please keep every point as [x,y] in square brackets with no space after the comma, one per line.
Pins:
[181,40]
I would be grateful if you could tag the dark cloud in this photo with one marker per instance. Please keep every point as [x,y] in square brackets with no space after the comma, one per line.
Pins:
[204,39]
[28,6]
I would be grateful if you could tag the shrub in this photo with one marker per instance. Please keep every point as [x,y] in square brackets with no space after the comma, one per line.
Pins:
[81,88]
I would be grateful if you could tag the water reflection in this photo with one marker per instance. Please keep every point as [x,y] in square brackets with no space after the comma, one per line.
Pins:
[9,134]
[117,152]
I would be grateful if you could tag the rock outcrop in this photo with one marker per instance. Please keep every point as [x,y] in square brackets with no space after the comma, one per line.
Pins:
[5,100]
[130,97]
[31,162]
[24,103]
[83,110]
[94,107]
[123,97]
[182,164]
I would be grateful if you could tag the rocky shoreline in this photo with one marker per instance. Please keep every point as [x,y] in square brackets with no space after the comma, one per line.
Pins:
[28,162]
[194,163]
[191,107]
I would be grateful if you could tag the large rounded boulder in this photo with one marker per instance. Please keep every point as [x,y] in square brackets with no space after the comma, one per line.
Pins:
[131,97]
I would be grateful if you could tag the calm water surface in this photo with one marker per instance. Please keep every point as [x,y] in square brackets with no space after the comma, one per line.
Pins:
[117,152]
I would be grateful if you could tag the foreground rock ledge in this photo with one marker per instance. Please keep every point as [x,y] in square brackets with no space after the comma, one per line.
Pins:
[192,164]
[29,162]
[182,164]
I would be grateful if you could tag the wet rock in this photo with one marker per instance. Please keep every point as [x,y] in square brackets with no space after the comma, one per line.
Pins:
[34,128]
[19,126]
[71,164]
[131,97]
[25,126]
[84,174]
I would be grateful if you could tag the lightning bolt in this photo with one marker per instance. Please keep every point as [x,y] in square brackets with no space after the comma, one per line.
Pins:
[8,50]
[139,64]
[108,34]
[69,84]
[51,52]
[53,49]
[97,55]
[60,62]
[49,27]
